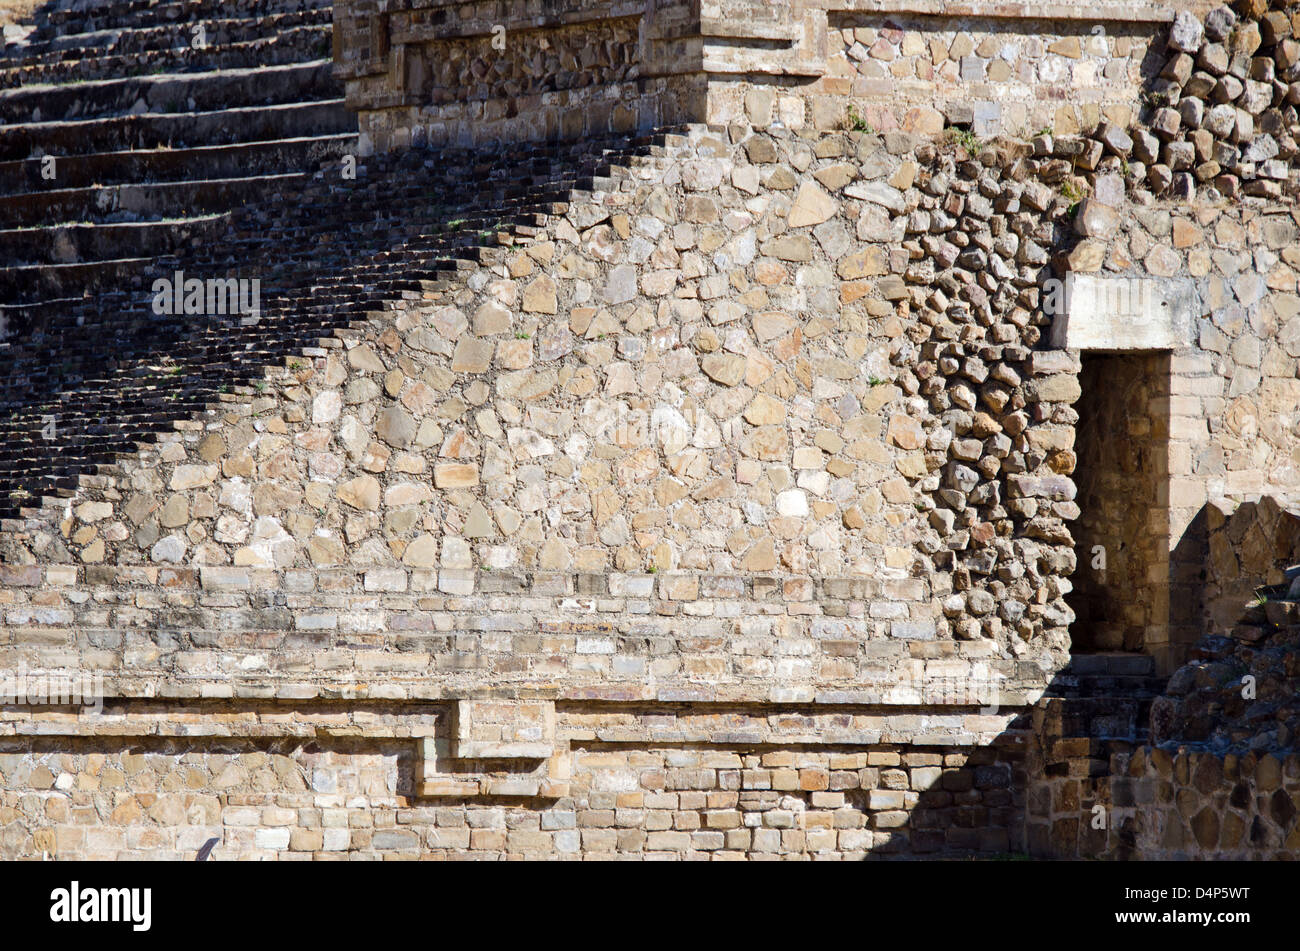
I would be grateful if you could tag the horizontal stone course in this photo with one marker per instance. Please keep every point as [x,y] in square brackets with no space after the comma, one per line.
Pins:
[727,496]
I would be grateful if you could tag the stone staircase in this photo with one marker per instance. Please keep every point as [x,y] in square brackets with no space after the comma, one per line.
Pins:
[1104,696]
[129,132]
[1086,729]
[1099,705]
[246,181]
[130,129]
[79,42]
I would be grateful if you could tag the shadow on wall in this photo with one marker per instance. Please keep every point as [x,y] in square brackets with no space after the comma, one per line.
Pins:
[109,373]
[1120,448]
[163,798]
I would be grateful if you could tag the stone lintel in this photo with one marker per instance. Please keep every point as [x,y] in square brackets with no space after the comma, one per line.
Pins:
[1122,314]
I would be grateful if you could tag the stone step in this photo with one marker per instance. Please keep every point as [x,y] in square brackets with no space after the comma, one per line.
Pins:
[40,48]
[182,92]
[43,281]
[70,243]
[1066,684]
[1096,718]
[62,68]
[149,200]
[1102,696]
[1113,663]
[190,129]
[122,14]
[170,165]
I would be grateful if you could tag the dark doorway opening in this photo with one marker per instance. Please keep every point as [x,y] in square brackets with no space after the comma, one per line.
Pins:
[1121,583]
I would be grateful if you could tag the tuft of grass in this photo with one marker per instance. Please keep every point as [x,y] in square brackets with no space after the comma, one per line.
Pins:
[858,123]
[1073,194]
[1156,100]
[965,138]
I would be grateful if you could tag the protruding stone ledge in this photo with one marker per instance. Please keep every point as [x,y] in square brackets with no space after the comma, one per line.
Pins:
[518,735]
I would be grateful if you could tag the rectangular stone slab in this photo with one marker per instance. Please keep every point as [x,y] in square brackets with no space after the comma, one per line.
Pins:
[1117,314]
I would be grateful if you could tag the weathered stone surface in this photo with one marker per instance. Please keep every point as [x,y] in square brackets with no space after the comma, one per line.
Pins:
[360,493]
[765,417]
[1124,314]
[811,206]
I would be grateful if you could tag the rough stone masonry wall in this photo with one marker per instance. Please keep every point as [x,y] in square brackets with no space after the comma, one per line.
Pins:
[471,496]
[717,391]
[1233,389]
[462,72]
[1111,801]
[1250,545]
[995,68]
[326,783]
[428,70]
[802,377]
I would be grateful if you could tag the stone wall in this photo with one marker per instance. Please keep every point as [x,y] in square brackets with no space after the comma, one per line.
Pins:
[330,781]
[655,413]
[637,463]
[1250,545]
[458,72]
[1154,803]
[994,68]
[752,465]
[1212,117]
[452,71]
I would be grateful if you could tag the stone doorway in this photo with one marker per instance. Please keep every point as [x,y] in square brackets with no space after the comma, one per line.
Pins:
[1121,584]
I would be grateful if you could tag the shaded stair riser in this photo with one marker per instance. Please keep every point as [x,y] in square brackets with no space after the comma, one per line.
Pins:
[192,92]
[163,200]
[172,165]
[232,125]
[76,243]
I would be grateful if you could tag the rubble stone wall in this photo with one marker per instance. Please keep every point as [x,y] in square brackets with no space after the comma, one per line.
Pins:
[713,427]
[1250,545]
[766,422]
[457,72]
[1212,116]
[1153,803]
[640,462]
[994,68]
[451,71]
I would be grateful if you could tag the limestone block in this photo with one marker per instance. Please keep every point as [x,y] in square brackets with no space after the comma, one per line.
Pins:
[1113,314]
